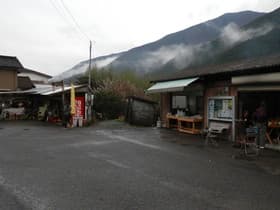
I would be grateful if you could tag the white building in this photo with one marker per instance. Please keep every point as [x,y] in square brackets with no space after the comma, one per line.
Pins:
[35,76]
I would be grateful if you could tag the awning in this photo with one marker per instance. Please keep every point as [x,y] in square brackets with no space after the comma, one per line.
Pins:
[42,89]
[258,78]
[48,92]
[171,86]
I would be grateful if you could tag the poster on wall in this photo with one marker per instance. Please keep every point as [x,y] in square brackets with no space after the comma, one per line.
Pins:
[220,108]
[80,106]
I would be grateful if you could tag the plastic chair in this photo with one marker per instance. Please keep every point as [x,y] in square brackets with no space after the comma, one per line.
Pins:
[249,142]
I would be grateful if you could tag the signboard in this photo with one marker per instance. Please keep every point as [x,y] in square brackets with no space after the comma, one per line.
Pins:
[80,106]
[220,108]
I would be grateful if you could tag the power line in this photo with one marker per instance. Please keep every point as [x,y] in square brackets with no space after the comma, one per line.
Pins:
[66,20]
[78,28]
[58,11]
[74,20]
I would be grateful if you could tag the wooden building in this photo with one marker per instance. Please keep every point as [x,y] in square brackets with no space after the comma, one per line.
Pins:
[26,94]
[221,93]
[9,69]
[141,111]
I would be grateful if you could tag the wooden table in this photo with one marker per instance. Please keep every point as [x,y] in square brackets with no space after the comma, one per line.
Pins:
[171,121]
[190,125]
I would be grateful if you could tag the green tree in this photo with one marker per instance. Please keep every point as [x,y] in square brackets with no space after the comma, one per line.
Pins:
[111,89]
[109,104]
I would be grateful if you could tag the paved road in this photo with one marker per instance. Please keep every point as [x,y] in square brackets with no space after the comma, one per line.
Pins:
[116,166]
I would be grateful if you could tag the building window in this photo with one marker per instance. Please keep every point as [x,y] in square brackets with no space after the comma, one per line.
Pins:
[179,102]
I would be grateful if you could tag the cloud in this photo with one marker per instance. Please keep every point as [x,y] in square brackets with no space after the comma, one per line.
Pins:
[82,67]
[233,34]
[182,55]
[105,62]
[34,28]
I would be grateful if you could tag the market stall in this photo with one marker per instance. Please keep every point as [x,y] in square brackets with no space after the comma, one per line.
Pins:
[186,124]
[273,131]
[250,100]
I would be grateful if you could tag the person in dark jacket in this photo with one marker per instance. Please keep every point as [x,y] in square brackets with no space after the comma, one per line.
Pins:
[66,115]
[260,117]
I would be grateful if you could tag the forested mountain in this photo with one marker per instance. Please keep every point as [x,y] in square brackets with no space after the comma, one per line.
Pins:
[172,52]
[180,46]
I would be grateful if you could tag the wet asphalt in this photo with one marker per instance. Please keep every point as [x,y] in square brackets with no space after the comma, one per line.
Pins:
[112,165]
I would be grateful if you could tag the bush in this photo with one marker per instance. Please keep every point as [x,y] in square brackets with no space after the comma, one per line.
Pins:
[111,89]
[109,104]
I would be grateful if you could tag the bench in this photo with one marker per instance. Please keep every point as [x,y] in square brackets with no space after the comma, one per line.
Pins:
[215,131]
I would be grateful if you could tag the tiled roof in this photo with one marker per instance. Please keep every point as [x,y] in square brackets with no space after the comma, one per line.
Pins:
[10,62]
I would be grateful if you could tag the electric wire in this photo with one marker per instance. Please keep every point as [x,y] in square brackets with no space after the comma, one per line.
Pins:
[75,25]
[65,13]
[74,20]
[59,12]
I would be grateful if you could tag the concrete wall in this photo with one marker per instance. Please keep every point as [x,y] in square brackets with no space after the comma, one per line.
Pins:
[8,79]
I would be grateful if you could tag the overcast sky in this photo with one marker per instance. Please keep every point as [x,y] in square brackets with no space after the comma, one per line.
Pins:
[45,38]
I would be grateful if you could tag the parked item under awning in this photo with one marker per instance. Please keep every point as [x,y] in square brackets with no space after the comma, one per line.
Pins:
[171,86]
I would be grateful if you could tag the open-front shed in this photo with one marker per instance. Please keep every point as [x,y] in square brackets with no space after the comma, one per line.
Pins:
[222,94]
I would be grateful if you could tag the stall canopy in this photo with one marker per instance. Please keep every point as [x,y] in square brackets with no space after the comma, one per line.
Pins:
[259,78]
[42,89]
[171,86]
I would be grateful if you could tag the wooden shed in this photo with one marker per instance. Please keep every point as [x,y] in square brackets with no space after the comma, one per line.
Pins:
[141,111]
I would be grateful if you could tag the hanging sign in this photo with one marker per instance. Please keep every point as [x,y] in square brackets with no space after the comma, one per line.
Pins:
[80,106]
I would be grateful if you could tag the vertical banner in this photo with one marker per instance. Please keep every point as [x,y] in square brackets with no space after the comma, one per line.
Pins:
[72,100]
[80,106]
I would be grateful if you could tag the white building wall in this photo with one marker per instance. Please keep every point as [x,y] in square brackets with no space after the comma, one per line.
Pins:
[35,77]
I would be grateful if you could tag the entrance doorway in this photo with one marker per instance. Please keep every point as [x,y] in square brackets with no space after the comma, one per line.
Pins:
[249,101]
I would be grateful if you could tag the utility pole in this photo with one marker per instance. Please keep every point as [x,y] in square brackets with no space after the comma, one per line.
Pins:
[63,104]
[89,67]
[88,97]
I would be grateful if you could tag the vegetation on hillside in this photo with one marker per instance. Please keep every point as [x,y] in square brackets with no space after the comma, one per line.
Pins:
[259,38]
[111,89]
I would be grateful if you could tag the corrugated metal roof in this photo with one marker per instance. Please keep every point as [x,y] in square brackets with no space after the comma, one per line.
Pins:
[47,90]
[171,86]
[43,89]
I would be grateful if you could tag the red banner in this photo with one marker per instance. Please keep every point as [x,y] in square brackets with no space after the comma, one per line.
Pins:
[80,106]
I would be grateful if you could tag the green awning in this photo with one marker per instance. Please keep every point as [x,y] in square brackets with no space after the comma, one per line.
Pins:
[171,86]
